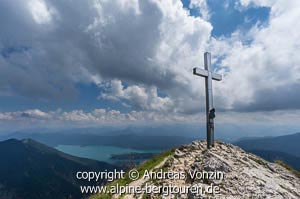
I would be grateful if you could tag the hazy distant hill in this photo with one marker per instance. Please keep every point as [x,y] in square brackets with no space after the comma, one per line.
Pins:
[123,140]
[31,170]
[271,156]
[289,144]
[285,148]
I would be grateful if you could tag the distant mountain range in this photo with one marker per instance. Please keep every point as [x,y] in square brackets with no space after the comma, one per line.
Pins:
[31,170]
[272,156]
[227,133]
[136,137]
[285,148]
[133,141]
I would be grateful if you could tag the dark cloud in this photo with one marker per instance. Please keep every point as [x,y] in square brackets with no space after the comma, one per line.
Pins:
[140,43]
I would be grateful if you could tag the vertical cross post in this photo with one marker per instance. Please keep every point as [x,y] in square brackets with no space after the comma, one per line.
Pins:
[209,99]
[210,111]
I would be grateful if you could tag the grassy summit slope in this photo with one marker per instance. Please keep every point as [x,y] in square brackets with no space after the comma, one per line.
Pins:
[147,165]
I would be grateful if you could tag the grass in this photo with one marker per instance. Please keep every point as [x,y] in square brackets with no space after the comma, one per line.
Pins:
[288,167]
[147,165]
[259,161]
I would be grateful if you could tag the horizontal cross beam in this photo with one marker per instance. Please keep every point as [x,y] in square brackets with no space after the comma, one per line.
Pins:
[204,73]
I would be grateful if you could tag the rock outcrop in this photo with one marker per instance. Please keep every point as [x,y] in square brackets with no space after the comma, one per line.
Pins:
[244,175]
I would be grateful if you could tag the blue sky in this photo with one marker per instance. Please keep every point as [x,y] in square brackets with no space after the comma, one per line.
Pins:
[226,19]
[130,61]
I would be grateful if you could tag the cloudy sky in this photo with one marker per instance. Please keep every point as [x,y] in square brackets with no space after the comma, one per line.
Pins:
[98,62]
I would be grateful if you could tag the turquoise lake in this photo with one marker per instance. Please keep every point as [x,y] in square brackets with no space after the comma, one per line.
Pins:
[101,153]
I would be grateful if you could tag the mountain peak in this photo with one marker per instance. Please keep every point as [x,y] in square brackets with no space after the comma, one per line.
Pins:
[27,140]
[244,175]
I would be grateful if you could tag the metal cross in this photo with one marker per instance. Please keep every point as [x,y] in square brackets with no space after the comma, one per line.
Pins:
[210,111]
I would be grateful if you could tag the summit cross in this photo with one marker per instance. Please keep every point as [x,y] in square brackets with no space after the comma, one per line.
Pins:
[210,110]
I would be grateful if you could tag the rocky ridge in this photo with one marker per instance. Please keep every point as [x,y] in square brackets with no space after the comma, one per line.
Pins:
[245,175]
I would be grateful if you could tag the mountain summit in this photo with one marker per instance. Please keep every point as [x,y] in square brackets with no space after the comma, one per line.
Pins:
[236,174]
